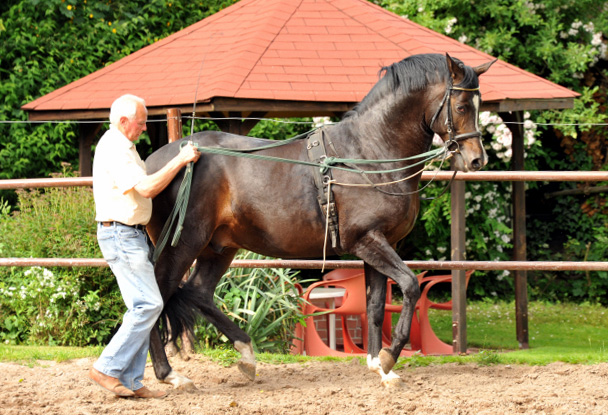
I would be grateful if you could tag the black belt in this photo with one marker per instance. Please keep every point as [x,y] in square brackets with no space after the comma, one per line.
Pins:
[108,224]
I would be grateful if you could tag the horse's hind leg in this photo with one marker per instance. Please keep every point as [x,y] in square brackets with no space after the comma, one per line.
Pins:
[169,274]
[210,269]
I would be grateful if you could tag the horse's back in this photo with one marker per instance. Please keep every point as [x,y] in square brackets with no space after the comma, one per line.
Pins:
[163,155]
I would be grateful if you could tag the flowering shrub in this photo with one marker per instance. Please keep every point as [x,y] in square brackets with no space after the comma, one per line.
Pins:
[61,306]
[39,306]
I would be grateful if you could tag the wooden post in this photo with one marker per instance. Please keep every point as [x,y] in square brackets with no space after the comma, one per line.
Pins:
[519,228]
[174,124]
[88,132]
[459,286]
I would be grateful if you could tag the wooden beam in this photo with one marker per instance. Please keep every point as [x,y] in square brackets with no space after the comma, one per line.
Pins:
[511,105]
[283,108]
[459,287]
[519,228]
[174,124]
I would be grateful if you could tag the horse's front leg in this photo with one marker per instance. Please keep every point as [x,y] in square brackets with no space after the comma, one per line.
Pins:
[382,261]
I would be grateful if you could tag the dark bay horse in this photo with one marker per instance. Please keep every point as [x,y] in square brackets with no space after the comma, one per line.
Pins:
[271,208]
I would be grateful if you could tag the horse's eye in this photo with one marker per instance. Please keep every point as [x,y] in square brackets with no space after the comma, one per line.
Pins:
[460,109]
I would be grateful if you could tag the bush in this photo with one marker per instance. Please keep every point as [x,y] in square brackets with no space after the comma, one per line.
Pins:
[55,308]
[83,306]
[58,306]
[563,41]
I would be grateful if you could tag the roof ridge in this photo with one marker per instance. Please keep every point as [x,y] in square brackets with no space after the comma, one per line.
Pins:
[268,44]
[379,9]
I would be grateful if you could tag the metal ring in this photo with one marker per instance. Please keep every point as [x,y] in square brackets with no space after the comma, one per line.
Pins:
[450,144]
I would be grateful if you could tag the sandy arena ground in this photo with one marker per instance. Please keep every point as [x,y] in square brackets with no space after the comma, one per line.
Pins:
[315,388]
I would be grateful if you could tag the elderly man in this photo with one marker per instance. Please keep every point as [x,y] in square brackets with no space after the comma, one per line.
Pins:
[123,201]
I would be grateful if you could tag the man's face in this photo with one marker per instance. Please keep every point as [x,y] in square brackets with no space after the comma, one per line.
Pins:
[132,129]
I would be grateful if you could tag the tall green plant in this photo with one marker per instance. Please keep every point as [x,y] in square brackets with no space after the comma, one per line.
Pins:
[265,303]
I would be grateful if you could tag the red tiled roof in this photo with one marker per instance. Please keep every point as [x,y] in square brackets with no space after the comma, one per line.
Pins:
[302,50]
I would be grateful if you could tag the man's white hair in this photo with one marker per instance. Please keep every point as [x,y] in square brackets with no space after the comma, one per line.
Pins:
[125,106]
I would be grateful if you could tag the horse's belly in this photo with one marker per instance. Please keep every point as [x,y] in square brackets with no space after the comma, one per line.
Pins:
[281,239]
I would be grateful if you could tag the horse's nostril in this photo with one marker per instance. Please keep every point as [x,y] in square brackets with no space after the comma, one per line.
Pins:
[476,164]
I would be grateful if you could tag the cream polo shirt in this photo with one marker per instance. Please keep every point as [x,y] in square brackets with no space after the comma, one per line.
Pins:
[117,169]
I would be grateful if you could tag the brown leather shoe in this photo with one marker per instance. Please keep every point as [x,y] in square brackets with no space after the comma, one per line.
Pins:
[110,383]
[146,393]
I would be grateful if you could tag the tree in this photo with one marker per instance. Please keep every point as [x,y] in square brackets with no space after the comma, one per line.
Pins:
[46,44]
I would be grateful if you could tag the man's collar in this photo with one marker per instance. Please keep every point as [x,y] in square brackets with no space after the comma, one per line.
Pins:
[120,138]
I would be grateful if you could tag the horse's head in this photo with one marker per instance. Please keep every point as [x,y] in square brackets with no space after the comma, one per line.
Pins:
[460,112]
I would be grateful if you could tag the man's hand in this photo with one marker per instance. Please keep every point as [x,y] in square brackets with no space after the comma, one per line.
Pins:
[155,183]
[189,153]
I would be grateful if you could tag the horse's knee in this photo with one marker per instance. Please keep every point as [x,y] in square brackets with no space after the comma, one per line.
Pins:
[411,291]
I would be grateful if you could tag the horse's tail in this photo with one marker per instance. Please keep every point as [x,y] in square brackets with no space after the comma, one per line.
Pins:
[180,315]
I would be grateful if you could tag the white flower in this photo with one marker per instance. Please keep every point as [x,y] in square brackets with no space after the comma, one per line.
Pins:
[450,25]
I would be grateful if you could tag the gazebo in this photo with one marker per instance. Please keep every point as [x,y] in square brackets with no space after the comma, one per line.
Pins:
[288,58]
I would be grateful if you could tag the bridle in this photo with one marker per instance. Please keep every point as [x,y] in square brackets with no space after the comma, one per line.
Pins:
[453,143]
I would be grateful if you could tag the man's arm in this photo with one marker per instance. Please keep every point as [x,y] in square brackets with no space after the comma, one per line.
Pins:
[155,183]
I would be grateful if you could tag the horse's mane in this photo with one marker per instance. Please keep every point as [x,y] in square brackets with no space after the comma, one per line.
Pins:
[410,75]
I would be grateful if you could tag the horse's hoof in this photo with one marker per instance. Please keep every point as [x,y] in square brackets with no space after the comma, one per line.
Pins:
[187,387]
[179,382]
[393,383]
[386,360]
[247,369]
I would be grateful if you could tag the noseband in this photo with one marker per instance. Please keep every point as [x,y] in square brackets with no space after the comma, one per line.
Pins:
[453,143]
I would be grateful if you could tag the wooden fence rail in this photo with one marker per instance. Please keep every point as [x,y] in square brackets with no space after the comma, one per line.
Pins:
[520,265]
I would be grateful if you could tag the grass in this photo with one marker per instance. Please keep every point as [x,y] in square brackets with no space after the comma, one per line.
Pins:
[29,355]
[572,333]
[558,332]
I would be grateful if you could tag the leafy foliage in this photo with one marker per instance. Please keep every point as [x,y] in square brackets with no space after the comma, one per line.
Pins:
[565,42]
[45,44]
[61,306]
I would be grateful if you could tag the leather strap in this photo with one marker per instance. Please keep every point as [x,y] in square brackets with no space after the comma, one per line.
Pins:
[316,153]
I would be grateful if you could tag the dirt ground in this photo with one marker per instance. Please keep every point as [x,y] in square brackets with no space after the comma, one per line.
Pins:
[315,388]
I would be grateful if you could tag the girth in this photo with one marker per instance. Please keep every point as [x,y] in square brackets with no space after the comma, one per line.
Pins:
[316,153]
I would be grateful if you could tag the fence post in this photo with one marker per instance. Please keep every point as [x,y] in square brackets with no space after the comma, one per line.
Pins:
[88,132]
[174,124]
[459,288]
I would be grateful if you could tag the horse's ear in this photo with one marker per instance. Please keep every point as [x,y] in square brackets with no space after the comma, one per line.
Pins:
[456,69]
[483,68]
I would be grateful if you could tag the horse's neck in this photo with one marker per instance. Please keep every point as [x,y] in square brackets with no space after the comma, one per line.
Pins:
[398,133]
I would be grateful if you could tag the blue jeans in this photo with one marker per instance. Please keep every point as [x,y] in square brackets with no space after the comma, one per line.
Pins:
[126,250]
